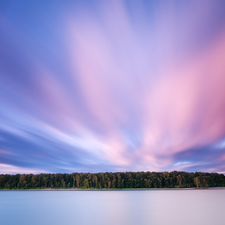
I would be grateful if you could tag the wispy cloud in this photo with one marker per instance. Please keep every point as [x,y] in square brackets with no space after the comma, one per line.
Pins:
[114,85]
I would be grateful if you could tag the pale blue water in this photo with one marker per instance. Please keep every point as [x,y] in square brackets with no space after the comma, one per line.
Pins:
[157,207]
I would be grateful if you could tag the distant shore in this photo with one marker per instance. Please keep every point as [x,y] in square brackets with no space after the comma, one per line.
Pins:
[115,189]
[108,181]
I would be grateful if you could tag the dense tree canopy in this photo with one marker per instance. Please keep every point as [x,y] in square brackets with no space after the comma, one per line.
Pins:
[113,180]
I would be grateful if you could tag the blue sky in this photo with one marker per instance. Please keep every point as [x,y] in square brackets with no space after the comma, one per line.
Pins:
[95,86]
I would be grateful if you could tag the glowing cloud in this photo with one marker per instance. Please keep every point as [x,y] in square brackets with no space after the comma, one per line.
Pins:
[108,86]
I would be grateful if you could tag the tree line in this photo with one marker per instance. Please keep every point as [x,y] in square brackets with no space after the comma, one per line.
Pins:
[116,180]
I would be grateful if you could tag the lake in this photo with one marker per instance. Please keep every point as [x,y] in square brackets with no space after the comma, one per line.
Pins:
[147,207]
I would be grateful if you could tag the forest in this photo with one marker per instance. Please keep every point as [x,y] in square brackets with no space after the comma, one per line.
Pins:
[118,180]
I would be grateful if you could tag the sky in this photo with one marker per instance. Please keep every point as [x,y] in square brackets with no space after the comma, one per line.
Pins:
[107,86]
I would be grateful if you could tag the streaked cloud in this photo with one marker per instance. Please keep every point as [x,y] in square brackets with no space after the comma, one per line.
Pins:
[112,86]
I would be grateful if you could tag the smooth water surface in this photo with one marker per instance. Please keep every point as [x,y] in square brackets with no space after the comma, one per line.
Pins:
[153,207]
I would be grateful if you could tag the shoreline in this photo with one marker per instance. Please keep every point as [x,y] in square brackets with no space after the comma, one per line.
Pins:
[122,189]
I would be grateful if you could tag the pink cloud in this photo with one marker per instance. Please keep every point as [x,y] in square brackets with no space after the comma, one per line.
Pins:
[180,102]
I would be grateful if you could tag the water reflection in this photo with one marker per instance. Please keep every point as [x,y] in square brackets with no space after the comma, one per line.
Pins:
[112,207]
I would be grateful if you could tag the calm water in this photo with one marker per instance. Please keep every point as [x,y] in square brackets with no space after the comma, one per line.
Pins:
[202,207]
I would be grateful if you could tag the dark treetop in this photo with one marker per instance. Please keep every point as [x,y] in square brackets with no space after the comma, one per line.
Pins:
[113,180]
